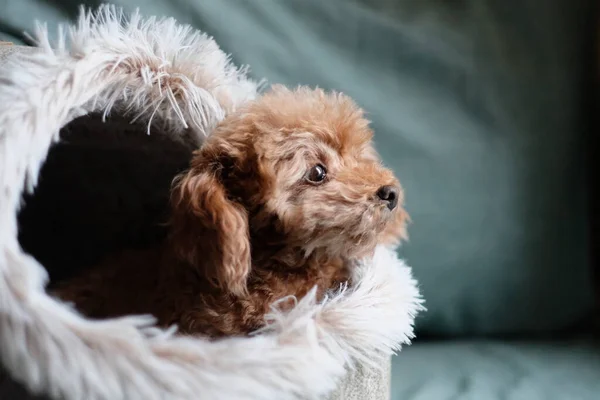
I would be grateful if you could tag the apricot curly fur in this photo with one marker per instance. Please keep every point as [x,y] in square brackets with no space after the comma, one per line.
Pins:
[247,228]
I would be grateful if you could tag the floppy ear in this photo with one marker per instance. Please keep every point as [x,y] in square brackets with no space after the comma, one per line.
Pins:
[208,229]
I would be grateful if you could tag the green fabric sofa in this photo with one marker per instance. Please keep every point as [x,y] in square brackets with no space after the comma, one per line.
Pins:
[484,110]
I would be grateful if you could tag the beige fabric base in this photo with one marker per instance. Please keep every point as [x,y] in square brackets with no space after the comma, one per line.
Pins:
[360,384]
[364,384]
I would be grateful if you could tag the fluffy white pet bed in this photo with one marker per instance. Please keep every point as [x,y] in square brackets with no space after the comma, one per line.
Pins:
[169,76]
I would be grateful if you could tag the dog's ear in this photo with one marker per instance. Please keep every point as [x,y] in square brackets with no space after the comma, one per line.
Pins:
[208,229]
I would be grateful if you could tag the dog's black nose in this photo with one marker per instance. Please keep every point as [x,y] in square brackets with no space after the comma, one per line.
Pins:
[389,194]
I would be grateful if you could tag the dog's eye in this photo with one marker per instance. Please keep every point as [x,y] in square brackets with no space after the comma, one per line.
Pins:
[316,174]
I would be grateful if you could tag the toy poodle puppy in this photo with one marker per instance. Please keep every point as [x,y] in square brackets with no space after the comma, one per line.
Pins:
[282,197]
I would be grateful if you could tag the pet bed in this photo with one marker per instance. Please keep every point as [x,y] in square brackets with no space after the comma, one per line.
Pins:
[175,80]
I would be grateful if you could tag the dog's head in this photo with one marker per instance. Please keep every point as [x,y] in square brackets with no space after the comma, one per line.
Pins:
[294,168]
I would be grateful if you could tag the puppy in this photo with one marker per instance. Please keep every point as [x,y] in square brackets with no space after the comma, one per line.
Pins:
[282,197]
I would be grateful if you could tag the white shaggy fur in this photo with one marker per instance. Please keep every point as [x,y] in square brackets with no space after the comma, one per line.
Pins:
[167,74]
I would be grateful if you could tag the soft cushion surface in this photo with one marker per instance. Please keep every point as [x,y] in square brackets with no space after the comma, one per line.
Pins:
[487,370]
[476,104]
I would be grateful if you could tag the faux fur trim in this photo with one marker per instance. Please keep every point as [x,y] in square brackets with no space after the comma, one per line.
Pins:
[169,74]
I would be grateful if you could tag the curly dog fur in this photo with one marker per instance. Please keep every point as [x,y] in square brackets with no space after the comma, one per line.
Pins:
[282,196]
